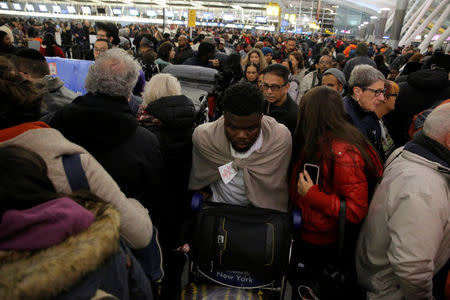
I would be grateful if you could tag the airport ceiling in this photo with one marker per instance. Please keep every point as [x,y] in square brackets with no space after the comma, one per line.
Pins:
[369,6]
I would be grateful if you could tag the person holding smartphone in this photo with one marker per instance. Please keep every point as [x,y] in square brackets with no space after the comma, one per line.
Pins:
[331,160]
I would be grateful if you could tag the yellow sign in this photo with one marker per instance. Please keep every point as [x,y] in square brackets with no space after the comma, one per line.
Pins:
[191,18]
[314,26]
[272,10]
[292,18]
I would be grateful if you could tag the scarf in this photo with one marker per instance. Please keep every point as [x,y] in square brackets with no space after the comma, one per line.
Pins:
[434,147]
[265,170]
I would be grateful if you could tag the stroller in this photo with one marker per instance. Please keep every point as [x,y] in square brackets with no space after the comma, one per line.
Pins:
[238,252]
[204,86]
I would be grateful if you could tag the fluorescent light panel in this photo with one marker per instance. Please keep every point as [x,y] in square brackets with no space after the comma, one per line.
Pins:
[86,10]
[42,8]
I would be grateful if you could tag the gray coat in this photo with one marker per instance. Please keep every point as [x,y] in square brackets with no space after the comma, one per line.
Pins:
[56,94]
[405,239]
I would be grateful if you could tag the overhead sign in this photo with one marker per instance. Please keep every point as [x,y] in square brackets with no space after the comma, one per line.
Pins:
[191,17]
[272,10]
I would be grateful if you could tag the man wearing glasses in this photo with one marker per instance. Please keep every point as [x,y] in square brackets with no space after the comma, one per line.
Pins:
[108,32]
[100,47]
[314,78]
[279,104]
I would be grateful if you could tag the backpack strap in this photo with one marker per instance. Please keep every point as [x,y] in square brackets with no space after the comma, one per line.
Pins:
[74,172]
[314,79]
[341,230]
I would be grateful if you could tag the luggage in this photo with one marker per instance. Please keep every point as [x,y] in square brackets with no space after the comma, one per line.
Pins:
[251,239]
[201,78]
[203,86]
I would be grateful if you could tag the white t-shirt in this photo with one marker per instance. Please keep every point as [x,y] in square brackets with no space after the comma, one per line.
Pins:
[234,192]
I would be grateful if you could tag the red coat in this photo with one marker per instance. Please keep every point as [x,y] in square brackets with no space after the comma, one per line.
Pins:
[57,51]
[320,211]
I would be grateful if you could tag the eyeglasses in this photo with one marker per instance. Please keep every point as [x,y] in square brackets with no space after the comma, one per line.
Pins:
[376,92]
[100,50]
[274,88]
[101,36]
[393,95]
[324,62]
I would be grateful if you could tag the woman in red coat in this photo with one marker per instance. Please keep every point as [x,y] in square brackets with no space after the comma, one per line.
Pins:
[49,47]
[348,168]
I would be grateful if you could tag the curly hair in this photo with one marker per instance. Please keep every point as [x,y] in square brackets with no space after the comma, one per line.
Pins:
[164,50]
[262,60]
[243,99]
[114,73]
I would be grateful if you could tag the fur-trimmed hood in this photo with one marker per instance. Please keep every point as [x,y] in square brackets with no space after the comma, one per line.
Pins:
[47,273]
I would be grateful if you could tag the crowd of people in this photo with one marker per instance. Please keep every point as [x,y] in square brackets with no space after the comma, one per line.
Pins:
[375,121]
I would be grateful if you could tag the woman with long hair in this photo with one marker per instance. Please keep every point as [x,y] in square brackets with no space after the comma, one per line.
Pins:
[50,48]
[166,53]
[347,168]
[256,57]
[298,69]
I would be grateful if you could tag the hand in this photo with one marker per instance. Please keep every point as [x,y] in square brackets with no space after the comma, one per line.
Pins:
[304,183]
[214,62]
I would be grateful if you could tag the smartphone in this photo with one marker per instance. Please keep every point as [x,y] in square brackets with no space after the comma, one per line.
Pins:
[313,171]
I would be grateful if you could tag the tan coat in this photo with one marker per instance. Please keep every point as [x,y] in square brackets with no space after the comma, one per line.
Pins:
[265,170]
[405,239]
[135,224]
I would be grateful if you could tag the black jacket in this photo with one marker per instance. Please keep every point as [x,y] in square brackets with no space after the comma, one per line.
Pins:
[367,123]
[182,54]
[421,90]
[105,126]
[172,120]
[285,114]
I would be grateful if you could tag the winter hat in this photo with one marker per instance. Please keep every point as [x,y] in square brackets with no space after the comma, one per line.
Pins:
[337,73]
[267,50]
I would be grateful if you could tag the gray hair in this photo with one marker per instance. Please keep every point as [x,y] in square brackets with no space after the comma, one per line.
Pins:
[437,124]
[363,76]
[161,85]
[114,73]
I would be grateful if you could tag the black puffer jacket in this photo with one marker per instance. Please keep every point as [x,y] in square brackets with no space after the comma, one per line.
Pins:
[421,90]
[171,119]
[105,126]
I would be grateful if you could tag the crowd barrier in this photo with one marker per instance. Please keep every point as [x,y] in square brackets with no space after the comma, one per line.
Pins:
[72,71]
